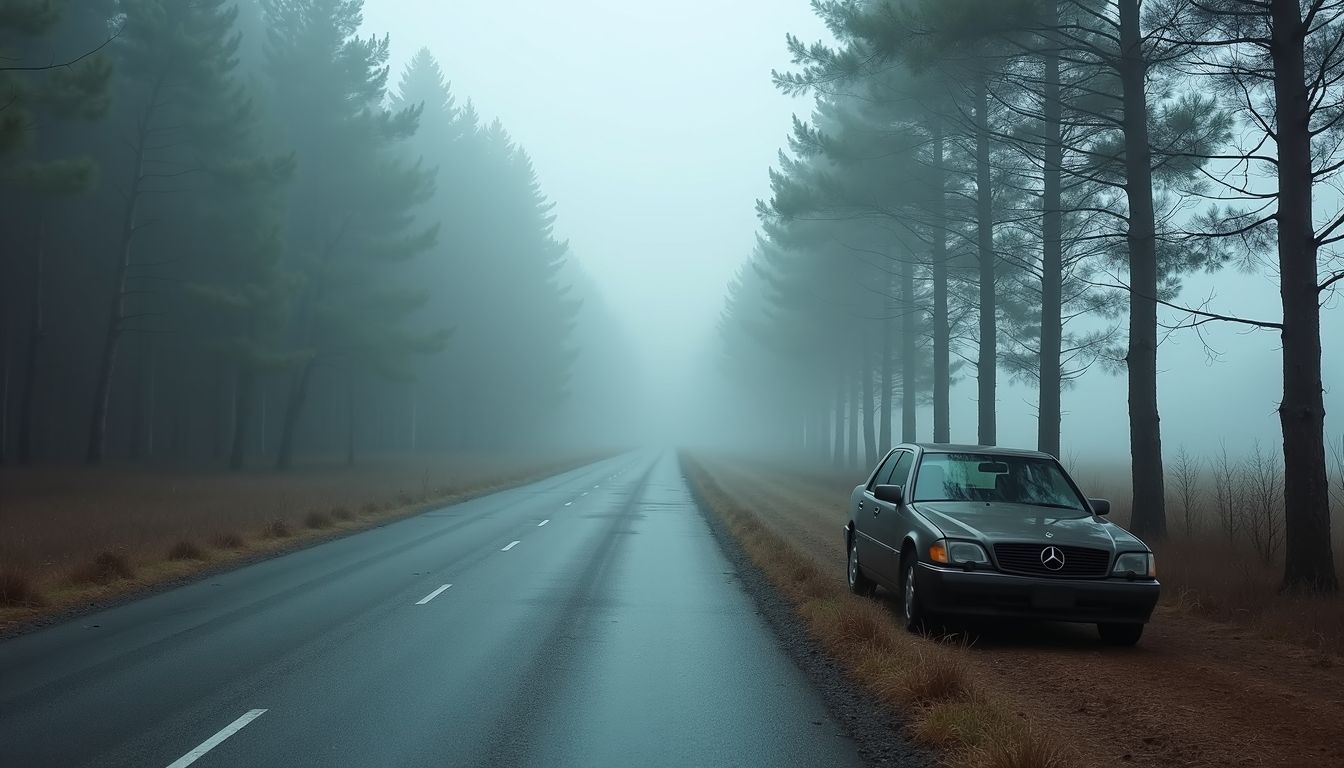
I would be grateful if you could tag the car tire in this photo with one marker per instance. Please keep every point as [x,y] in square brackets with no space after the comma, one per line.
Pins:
[1120,634]
[911,598]
[859,584]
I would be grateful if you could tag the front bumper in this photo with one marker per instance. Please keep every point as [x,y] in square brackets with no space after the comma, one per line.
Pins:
[957,592]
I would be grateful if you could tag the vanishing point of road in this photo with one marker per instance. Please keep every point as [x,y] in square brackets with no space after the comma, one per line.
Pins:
[584,620]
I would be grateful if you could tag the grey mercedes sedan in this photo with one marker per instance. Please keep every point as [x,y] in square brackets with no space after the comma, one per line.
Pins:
[961,530]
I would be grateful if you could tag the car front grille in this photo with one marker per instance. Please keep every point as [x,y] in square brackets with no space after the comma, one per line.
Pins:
[1079,562]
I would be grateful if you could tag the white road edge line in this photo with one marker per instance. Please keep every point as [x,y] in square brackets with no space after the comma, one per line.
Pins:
[511,546]
[217,739]
[433,594]
[543,522]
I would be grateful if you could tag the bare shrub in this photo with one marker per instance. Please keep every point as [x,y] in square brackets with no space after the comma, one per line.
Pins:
[369,508]
[1337,458]
[317,520]
[227,540]
[342,513]
[278,529]
[1263,522]
[186,550]
[1185,478]
[105,568]
[17,591]
[1228,493]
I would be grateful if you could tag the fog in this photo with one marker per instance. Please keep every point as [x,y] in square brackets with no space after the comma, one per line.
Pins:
[653,132]
[576,253]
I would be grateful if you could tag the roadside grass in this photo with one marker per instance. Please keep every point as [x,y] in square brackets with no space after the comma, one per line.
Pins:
[926,684]
[78,537]
[1206,571]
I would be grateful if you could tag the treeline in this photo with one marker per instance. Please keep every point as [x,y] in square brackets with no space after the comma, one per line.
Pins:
[1014,189]
[229,238]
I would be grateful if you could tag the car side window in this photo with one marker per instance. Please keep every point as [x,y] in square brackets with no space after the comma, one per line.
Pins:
[884,471]
[900,473]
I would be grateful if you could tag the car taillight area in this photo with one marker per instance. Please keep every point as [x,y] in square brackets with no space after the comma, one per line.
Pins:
[1058,560]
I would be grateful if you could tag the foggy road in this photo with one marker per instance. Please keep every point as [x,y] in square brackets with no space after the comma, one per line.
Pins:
[587,619]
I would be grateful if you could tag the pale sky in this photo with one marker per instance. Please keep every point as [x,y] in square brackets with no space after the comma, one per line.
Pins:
[653,125]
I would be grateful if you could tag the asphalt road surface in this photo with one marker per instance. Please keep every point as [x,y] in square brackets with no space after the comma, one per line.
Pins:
[585,620]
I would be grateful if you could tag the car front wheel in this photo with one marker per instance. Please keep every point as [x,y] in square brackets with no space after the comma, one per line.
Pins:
[858,583]
[1120,634]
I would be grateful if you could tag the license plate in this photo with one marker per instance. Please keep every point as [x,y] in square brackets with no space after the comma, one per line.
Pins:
[1052,598]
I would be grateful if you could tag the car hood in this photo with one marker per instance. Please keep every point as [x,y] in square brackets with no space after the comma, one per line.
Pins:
[996,522]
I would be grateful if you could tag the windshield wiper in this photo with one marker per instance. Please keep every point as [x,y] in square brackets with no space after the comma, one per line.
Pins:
[1052,506]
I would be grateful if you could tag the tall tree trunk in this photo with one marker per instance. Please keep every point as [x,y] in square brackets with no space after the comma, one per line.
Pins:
[107,363]
[298,395]
[152,419]
[942,328]
[884,435]
[263,424]
[37,332]
[350,417]
[415,419]
[244,383]
[1149,517]
[5,333]
[854,395]
[869,438]
[987,362]
[1052,262]
[136,437]
[838,451]
[909,346]
[1309,561]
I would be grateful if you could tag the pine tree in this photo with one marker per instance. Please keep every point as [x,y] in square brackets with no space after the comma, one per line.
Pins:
[184,113]
[352,224]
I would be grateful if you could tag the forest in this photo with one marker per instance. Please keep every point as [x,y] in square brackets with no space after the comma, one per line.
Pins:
[1015,191]
[235,237]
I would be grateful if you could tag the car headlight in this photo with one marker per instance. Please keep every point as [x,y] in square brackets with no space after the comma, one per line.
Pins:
[1139,564]
[963,553]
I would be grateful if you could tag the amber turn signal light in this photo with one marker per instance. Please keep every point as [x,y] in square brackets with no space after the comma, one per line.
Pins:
[938,553]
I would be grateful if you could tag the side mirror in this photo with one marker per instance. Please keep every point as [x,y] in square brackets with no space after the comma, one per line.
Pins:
[891,494]
[1100,506]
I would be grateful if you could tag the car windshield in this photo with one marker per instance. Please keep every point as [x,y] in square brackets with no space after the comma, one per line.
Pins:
[991,477]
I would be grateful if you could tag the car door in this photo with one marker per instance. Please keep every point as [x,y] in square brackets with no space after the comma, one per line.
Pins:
[889,521]
[866,522]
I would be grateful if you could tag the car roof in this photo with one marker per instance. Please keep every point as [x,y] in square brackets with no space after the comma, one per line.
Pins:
[990,449]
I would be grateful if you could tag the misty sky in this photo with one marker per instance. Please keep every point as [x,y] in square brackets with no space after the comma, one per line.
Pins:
[653,129]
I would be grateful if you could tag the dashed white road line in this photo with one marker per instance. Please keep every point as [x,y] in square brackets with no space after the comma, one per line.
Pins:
[433,594]
[217,739]
[543,522]
[568,503]
[511,546]
[585,493]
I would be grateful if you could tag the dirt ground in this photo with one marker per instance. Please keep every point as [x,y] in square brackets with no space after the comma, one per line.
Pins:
[1195,692]
[54,518]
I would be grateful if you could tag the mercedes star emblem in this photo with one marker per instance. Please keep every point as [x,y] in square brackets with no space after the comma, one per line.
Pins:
[1052,558]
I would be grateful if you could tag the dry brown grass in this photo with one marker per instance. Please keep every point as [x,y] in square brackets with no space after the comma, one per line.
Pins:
[317,520]
[186,550]
[69,536]
[17,591]
[227,540]
[1204,573]
[104,569]
[926,683]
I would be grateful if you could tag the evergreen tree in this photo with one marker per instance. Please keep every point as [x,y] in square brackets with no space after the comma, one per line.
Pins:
[352,223]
